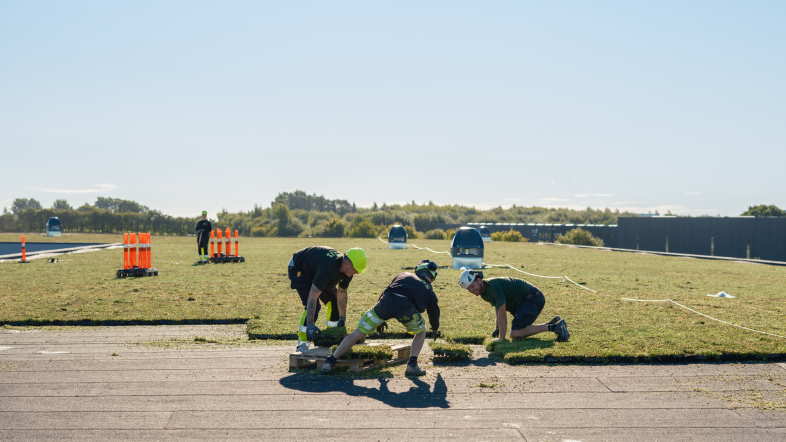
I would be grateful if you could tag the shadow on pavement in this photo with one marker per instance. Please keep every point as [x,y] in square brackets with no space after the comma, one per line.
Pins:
[480,362]
[420,395]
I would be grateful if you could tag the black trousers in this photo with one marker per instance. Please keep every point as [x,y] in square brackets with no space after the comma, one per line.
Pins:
[202,241]
[327,296]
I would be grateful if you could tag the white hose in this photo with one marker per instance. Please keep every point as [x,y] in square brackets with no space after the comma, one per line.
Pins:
[566,278]
[704,315]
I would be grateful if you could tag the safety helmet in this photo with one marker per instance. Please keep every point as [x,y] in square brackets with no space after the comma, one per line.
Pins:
[426,268]
[204,213]
[467,277]
[358,258]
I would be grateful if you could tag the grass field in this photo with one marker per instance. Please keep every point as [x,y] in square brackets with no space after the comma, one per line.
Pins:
[81,288]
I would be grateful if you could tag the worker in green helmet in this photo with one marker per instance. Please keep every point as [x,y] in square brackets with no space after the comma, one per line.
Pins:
[323,273]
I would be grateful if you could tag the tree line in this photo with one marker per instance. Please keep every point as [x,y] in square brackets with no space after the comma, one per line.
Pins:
[297,213]
[106,215]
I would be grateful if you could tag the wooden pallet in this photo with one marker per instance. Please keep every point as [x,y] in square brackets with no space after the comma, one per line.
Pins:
[315,357]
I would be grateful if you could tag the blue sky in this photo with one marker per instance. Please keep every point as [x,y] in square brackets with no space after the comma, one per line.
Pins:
[188,105]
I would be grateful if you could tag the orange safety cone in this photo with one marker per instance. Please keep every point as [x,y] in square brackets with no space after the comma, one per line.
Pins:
[126,252]
[237,244]
[148,252]
[23,240]
[149,261]
[143,250]
[132,249]
[140,250]
[220,241]
[228,241]
[213,243]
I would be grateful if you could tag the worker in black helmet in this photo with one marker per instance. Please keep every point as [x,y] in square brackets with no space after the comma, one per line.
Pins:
[405,298]
[202,230]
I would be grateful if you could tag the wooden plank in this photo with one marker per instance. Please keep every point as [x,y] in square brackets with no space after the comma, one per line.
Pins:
[316,356]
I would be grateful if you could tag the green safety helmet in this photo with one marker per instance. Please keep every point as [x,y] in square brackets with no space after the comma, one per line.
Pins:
[426,267]
[204,213]
[357,257]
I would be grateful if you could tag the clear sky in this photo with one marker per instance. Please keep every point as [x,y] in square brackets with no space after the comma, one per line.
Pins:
[184,105]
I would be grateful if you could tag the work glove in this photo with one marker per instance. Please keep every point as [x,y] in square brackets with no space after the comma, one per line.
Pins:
[312,332]
[495,333]
[382,327]
[342,323]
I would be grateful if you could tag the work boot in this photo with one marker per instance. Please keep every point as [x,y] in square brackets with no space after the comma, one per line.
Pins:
[561,329]
[302,347]
[414,371]
[328,365]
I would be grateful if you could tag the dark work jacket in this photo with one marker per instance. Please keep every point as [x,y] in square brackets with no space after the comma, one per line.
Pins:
[419,293]
[320,266]
[203,227]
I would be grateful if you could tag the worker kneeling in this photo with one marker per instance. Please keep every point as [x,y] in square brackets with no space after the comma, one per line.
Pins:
[522,299]
[407,296]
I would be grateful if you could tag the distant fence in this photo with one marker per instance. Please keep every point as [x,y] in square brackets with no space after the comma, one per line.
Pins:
[738,237]
[735,237]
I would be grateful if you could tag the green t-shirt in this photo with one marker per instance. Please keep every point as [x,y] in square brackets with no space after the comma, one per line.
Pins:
[509,292]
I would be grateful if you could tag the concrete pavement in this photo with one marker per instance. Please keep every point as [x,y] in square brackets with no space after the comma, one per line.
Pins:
[102,383]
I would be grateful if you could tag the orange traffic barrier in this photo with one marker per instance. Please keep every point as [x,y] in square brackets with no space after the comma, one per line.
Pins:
[23,240]
[143,250]
[221,249]
[137,255]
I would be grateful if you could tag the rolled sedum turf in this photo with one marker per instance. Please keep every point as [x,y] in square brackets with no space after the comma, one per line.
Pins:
[330,336]
[376,352]
[451,352]
[476,339]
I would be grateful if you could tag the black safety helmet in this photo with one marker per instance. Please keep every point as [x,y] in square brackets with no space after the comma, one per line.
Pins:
[426,268]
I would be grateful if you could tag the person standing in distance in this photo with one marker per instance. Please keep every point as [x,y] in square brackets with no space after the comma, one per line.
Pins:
[202,230]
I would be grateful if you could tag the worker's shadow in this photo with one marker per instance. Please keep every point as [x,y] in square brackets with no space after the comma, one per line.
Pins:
[419,395]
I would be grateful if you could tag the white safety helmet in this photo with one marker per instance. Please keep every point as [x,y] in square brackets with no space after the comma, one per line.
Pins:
[467,277]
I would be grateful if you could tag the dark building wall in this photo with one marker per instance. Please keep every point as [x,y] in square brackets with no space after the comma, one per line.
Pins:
[737,237]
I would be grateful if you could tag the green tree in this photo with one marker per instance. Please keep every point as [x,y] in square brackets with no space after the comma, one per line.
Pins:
[511,236]
[580,237]
[285,224]
[61,205]
[332,228]
[117,205]
[435,234]
[411,232]
[21,204]
[764,210]
[363,229]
